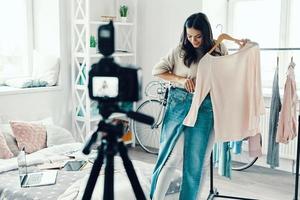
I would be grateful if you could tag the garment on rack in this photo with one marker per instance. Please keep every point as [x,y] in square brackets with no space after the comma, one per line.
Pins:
[287,125]
[236,147]
[273,146]
[254,146]
[222,158]
[234,84]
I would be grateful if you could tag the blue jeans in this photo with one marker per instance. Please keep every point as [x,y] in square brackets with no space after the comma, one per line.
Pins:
[196,140]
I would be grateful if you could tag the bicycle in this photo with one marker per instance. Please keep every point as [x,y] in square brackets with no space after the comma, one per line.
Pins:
[148,137]
[155,105]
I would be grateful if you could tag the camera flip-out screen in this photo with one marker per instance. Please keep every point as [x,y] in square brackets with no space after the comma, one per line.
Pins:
[105,86]
[105,34]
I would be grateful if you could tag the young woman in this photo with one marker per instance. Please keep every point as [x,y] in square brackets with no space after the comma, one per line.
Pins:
[179,143]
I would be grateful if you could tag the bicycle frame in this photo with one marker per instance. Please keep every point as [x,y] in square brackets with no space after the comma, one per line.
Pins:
[161,114]
[160,117]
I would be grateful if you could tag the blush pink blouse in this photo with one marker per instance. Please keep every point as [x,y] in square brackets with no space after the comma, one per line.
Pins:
[287,124]
[234,84]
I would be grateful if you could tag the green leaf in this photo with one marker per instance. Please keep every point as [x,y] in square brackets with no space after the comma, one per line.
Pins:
[92,41]
[123,10]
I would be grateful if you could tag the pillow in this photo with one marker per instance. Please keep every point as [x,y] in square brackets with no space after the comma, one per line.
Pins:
[45,68]
[5,152]
[10,139]
[18,82]
[9,136]
[25,83]
[30,136]
[57,135]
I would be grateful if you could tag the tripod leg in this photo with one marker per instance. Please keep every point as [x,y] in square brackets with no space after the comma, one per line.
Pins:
[94,175]
[138,191]
[109,173]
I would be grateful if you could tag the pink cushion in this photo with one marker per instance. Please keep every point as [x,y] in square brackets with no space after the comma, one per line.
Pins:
[30,136]
[5,152]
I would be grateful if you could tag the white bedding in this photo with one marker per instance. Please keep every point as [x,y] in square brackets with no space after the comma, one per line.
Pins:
[46,155]
[122,187]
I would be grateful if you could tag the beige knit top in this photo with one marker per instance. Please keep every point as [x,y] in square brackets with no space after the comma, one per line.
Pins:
[173,62]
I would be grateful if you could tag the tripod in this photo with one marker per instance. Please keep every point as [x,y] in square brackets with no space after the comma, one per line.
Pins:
[111,143]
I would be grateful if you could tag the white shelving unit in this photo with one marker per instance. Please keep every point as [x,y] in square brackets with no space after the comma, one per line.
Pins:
[86,18]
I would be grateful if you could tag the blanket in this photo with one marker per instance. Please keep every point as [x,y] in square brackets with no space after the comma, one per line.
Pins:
[122,187]
[47,155]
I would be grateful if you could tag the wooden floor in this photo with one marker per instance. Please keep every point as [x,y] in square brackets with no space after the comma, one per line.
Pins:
[255,182]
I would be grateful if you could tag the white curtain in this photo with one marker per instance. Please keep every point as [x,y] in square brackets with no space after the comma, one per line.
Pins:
[13,38]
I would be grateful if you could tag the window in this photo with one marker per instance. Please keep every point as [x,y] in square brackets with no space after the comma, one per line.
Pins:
[15,42]
[294,37]
[273,24]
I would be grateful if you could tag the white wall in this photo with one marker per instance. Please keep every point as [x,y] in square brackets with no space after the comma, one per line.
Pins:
[160,23]
[55,104]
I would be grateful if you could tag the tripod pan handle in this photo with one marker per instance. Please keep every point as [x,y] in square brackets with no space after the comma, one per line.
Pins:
[141,117]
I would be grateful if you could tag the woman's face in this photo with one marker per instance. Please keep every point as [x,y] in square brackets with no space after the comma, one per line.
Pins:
[194,36]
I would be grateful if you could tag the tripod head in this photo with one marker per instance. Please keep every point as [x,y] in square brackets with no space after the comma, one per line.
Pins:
[105,110]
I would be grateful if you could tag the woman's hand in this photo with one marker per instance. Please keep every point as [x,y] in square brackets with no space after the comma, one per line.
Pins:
[188,84]
[243,42]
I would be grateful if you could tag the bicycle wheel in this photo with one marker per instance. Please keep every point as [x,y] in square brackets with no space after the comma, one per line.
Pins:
[148,136]
[242,160]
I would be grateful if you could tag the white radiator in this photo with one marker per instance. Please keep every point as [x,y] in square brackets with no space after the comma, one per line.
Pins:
[287,151]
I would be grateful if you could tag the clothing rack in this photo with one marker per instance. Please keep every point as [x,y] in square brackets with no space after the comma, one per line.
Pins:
[297,162]
[272,49]
[213,191]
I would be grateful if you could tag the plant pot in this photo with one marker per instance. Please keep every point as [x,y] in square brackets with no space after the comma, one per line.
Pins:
[93,50]
[123,19]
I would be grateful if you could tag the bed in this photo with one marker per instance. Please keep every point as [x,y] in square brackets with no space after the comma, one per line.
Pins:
[9,175]
[70,185]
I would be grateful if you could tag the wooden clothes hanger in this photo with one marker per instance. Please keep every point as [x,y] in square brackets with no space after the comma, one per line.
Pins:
[292,64]
[222,37]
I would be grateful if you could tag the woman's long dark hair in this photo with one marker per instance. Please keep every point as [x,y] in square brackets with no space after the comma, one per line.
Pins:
[198,21]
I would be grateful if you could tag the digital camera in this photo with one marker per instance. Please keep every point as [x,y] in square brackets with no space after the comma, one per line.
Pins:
[109,82]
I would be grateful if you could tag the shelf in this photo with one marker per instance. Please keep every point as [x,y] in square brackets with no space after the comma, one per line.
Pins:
[92,119]
[80,87]
[94,22]
[98,55]
[115,23]
[84,24]
[127,142]
[98,118]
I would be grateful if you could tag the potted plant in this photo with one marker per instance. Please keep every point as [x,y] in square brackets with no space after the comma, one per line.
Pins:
[123,12]
[92,44]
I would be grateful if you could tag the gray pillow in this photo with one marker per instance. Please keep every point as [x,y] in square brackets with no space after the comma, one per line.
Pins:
[25,82]
[10,139]
[57,135]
